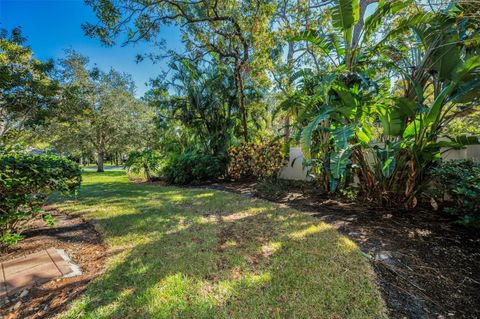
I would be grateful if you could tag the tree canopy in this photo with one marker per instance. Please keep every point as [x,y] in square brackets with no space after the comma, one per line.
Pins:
[100,112]
[28,94]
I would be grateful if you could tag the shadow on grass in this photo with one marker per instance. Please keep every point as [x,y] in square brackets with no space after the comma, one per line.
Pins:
[208,254]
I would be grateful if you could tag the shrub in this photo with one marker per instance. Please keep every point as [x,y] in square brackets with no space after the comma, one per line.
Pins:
[255,161]
[457,186]
[25,182]
[146,162]
[192,167]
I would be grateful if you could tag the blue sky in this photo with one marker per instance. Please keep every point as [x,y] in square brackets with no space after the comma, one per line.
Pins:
[53,26]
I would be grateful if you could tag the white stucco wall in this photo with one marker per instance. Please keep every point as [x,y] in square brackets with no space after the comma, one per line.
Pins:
[295,171]
[473,152]
[454,154]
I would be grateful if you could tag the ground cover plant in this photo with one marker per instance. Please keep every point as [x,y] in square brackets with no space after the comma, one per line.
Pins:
[456,185]
[198,253]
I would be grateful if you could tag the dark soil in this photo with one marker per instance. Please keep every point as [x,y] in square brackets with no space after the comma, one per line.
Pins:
[80,241]
[426,265]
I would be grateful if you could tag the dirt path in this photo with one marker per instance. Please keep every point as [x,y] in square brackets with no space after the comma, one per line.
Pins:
[427,267]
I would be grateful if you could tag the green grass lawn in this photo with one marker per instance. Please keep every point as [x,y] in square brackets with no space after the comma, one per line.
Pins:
[196,253]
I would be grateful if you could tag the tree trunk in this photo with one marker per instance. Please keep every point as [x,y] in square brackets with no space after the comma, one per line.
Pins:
[100,157]
[287,129]
[291,51]
[147,173]
[243,109]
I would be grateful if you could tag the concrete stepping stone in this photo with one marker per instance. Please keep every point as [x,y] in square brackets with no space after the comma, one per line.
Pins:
[24,272]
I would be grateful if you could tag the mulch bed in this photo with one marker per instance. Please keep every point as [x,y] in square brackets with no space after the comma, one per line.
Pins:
[427,266]
[80,241]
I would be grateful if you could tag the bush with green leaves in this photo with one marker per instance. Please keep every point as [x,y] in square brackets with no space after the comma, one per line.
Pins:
[457,187]
[147,162]
[191,167]
[255,160]
[25,182]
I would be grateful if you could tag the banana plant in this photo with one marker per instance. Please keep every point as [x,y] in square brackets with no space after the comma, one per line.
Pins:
[347,87]
[440,83]
[395,138]
[351,40]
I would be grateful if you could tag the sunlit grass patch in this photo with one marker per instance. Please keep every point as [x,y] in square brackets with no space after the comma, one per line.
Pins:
[196,253]
[312,229]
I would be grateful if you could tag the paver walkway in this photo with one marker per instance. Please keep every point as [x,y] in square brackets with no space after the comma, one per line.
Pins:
[36,268]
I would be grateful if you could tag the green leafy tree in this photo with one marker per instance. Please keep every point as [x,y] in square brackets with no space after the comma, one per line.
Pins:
[290,18]
[101,113]
[27,92]
[467,124]
[205,103]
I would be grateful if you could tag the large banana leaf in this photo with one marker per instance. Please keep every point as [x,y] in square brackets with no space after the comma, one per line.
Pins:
[317,38]
[336,43]
[403,26]
[392,117]
[389,166]
[392,123]
[387,156]
[469,66]
[307,132]
[406,106]
[343,135]
[412,129]
[338,165]
[446,58]
[345,16]
[461,71]
[434,111]
[346,96]
[466,92]
[364,134]
[373,21]
[305,72]
[341,156]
